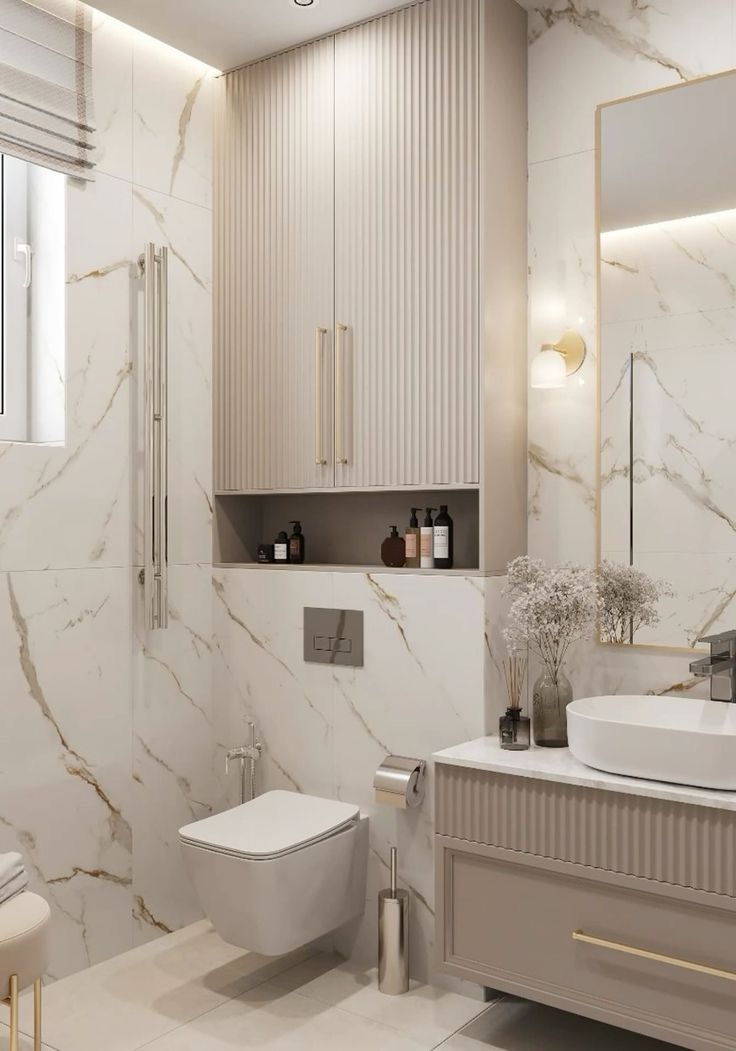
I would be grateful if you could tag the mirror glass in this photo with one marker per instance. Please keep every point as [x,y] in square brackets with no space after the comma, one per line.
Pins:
[667,315]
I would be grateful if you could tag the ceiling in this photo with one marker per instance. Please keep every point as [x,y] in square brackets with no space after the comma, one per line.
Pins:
[229,33]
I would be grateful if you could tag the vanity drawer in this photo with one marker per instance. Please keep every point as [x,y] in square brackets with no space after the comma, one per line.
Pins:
[510,923]
[677,843]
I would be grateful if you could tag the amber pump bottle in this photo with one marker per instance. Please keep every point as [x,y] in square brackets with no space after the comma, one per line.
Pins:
[411,539]
[393,549]
[296,544]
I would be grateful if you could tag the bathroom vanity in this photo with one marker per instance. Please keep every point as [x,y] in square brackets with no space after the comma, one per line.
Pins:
[606,896]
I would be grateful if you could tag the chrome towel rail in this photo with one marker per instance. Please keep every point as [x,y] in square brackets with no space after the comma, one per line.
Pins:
[154,266]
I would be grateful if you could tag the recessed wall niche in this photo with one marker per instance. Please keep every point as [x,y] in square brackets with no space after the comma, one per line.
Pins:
[341,529]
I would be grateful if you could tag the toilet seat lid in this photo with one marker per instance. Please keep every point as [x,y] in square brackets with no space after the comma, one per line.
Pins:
[271,825]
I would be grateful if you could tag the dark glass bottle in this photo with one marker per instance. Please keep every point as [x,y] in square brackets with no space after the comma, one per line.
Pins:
[444,553]
[296,544]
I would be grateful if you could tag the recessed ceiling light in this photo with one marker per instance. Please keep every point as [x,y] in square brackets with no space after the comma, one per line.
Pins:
[303,3]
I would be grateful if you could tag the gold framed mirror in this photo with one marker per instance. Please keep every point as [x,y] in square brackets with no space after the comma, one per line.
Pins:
[666,316]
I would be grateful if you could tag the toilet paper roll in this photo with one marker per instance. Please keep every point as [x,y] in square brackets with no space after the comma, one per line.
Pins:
[399,781]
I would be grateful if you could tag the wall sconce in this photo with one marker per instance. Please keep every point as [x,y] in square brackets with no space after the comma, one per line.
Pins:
[556,361]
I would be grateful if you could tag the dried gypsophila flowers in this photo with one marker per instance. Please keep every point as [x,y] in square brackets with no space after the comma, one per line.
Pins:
[552,607]
[628,600]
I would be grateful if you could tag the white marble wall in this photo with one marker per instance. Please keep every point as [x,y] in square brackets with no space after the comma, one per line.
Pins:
[326,730]
[581,54]
[107,738]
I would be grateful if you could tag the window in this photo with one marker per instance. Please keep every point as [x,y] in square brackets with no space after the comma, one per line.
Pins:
[32,344]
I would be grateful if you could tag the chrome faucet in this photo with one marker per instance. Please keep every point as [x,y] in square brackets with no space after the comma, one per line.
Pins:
[247,754]
[720,666]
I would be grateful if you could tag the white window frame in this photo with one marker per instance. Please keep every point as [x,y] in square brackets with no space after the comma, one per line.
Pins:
[15,301]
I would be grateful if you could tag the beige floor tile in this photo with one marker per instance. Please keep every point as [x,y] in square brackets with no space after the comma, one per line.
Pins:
[25,1043]
[135,998]
[515,1025]
[427,1014]
[271,1017]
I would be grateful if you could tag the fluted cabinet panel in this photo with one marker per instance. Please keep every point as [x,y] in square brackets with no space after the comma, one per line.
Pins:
[677,843]
[274,272]
[406,271]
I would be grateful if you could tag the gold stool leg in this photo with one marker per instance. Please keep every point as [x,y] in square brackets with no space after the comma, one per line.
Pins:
[37,1015]
[13,997]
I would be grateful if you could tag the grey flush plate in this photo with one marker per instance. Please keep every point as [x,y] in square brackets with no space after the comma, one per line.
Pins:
[333,636]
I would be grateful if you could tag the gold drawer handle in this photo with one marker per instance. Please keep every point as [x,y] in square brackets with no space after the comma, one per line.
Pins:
[673,961]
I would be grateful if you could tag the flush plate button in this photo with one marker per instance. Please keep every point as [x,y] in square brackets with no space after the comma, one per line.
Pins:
[333,636]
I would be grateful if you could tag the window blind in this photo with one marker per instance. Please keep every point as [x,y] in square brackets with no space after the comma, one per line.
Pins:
[46,111]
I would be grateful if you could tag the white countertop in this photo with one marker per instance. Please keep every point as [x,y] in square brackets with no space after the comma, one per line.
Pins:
[558,764]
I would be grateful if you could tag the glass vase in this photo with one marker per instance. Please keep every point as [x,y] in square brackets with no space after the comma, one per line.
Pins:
[552,694]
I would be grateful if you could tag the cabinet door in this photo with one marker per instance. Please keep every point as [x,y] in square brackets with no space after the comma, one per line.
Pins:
[274,273]
[406,264]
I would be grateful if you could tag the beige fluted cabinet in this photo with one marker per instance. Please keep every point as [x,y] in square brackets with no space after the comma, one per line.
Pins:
[370,274]
[274,274]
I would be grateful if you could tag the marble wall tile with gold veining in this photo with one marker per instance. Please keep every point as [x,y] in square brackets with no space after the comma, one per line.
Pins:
[65,756]
[72,788]
[112,72]
[175,780]
[172,122]
[260,674]
[584,53]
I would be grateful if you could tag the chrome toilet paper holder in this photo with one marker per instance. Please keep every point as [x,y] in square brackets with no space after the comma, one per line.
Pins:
[400,781]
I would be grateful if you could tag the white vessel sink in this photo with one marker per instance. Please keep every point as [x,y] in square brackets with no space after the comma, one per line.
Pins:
[681,740]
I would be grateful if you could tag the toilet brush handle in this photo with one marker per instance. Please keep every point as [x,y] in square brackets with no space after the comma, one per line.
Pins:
[393,872]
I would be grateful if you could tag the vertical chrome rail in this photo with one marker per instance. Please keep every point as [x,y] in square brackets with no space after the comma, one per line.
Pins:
[154,264]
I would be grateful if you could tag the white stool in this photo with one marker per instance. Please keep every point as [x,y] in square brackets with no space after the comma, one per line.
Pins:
[24,923]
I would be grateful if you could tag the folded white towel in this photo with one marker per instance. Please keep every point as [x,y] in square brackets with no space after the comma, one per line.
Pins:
[13,876]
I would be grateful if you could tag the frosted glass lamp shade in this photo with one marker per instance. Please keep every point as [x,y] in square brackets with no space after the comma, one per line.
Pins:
[549,370]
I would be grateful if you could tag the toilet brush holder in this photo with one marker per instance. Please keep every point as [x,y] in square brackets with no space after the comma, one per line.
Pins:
[393,937]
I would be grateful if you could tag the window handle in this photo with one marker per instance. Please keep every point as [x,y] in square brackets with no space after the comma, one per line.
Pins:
[23,253]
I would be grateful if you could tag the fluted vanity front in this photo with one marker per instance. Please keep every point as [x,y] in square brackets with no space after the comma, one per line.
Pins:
[602,895]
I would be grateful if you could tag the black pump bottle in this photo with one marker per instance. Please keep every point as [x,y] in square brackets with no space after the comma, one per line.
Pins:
[443,540]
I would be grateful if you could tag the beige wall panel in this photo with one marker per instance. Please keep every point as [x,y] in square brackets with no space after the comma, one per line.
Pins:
[503,268]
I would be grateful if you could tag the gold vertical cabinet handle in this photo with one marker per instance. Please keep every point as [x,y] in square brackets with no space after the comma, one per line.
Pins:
[645,954]
[340,457]
[319,456]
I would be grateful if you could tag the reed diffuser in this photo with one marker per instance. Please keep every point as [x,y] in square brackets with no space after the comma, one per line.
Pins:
[514,729]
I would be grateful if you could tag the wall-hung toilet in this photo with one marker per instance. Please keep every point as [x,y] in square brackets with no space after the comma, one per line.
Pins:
[279,871]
